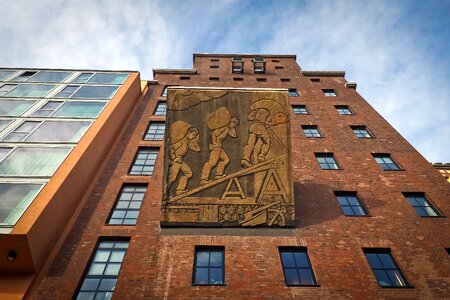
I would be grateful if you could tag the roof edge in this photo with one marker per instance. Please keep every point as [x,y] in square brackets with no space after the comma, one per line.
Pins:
[294,56]
[174,71]
[324,73]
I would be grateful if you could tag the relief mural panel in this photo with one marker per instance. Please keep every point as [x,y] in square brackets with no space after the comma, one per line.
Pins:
[227,159]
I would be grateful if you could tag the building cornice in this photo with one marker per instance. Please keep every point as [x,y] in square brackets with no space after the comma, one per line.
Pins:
[174,71]
[324,73]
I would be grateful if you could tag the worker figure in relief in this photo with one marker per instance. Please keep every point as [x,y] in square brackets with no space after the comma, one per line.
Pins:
[258,137]
[183,137]
[221,125]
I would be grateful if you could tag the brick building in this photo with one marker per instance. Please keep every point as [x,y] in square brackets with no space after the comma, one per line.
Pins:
[370,211]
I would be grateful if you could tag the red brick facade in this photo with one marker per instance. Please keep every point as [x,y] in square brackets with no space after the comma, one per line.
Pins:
[159,261]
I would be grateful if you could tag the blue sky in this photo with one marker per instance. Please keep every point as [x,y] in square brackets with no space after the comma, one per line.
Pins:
[397,51]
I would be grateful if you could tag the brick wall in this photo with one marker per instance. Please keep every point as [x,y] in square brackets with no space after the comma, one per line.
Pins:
[159,262]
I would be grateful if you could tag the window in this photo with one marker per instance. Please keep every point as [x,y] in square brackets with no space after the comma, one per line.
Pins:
[83,78]
[50,76]
[209,266]
[164,92]
[6,88]
[161,109]
[13,108]
[185,78]
[213,67]
[144,163]
[214,78]
[279,67]
[155,131]
[311,131]
[343,110]
[70,109]
[275,60]
[33,161]
[16,197]
[297,267]
[30,90]
[300,109]
[421,204]
[329,93]
[103,271]
[5,74]
[88,92]
[361,132]
[385,269]
[4,123]
[237,65]
[214,59]
[25,76]
[67,92]
[350,204]
[285,80]
[315,80]
[95,92]
[49,131]
[261,79]
[327,161]
[238,78]
[293,92]
[386,162]
[108,78]
[259,65]
[126,210]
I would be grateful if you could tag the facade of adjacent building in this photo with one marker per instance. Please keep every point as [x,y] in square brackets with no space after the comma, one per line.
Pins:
[444,169]
[92,221]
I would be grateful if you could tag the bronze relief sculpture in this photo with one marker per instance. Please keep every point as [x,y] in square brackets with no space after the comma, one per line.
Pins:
[227,158]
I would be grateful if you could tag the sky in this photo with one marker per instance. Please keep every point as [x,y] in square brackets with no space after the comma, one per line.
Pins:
[396,51]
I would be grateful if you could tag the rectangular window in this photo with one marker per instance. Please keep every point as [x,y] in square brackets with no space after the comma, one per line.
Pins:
[25,76]
[49,131]
[108,78]
[297,267]
[4,123]
[209,266]
[50,76]
[315,80]
[279,67]
[238,78]
[144,163]
[343,110]
[5,74]
[126,209]
[33,161]
[261,79]
[237,65]
[329,93]
[155,131]
[386,162]
[213,67]
[79,109]
[350,204]
[293,92]
[300,109]
[68,91]
[185,78]
[385,268]
[47,109]
[311,131]
[95,92]
[16,197]
[6,88]
[285,80]
[421,205]
[259,65]
[30,90]
[164,92]
[83,77]
[103,271]
[214,78]
[14,108]
[161,109]
[361,132]
[327,161]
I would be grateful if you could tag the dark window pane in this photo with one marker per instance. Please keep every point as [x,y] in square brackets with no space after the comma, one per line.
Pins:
[291,276]
[215,276]
[215,259]
[373,260]
[201,276]
[306,277]
[387,261]
[50,76]
[382,277]
[288,259]
[202,258]
[96,92]
[301,260]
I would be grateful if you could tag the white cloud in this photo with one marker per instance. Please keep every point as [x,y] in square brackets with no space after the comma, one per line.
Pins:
[388,56]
